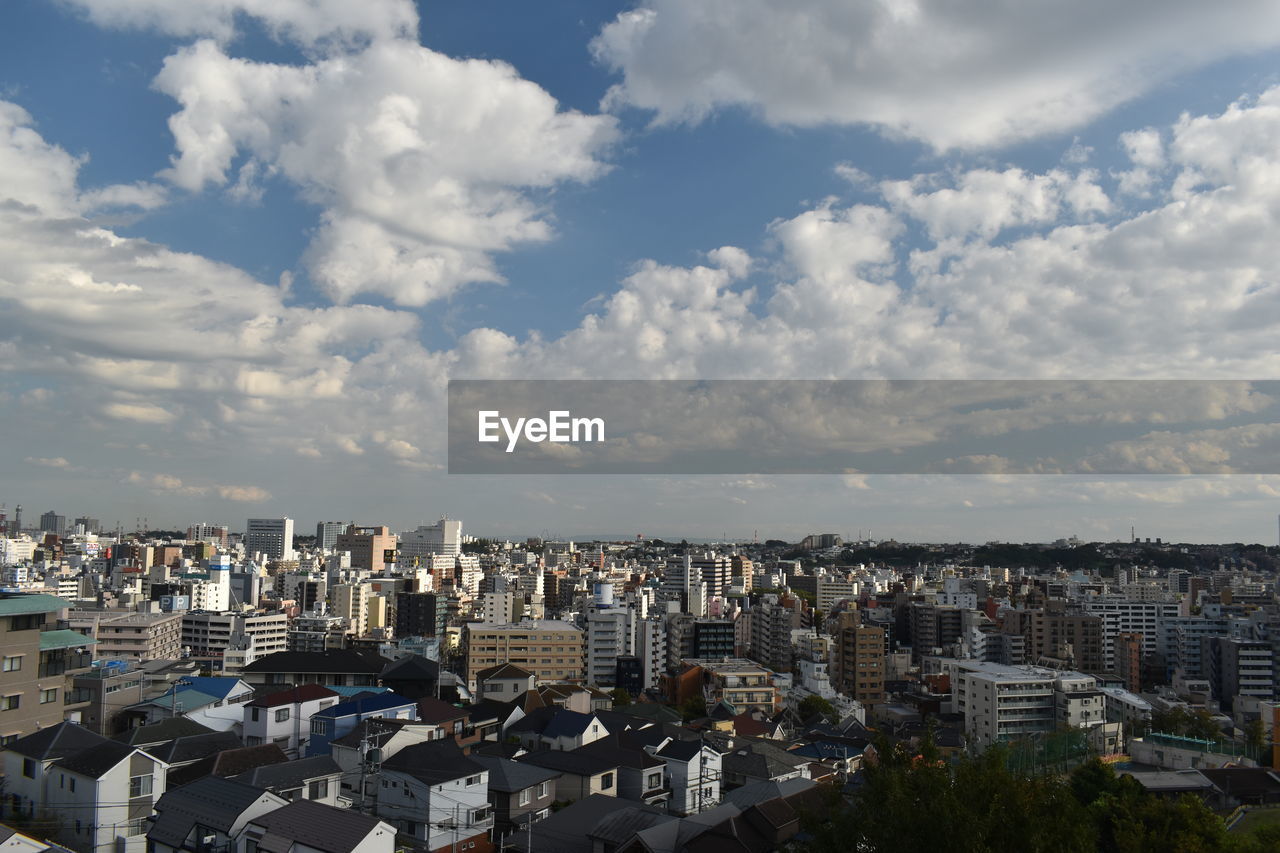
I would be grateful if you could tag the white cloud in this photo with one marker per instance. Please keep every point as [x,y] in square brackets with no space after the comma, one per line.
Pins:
[424,166]
[141,412]
[244,494]
[972,74]
[54,462]
[310,23]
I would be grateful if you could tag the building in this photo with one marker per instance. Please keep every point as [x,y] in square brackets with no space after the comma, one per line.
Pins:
[327,533]
[1075,638]
[103,790]
[550,649]
[1127,651]
[284,717]
[504,682]
[208,635]
[369,546]
[218,534]
[607,638]
[859,659]
[1002,702]
[331,723]
[38,664]
[442,539]
[421,614]
[207,814]
[271,537]
[1237,667]
[307,826]
[742,683]
[520,793]
[334,668]
[438,796]
[130,636]
[52,522]
[351,602]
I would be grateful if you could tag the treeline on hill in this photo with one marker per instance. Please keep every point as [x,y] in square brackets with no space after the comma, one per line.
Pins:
[918,802]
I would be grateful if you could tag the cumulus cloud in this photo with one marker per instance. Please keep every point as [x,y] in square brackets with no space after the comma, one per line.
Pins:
[53,462]
[424,166]
[976,74]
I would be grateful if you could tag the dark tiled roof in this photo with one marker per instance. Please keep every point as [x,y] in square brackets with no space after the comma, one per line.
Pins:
[315,825]
[159,732]
[553,722]
[292,696]
[289,774]
[230,762]
[56,741]
[336,661]
[194,747]
[625,752]
[412,668]
[575,761]
[96,760]
[503,670]
[365,703]
[434,762]
[210,801]
[433,710]
[567,831]
[511,776]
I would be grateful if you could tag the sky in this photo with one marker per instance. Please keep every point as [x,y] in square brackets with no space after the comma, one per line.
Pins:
[244,244]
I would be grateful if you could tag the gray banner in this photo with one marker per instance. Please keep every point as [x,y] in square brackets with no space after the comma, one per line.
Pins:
[864,426]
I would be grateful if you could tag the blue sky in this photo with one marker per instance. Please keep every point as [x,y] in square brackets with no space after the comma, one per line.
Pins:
[1061,192]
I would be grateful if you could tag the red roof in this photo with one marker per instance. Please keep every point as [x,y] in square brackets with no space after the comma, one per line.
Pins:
[294,695]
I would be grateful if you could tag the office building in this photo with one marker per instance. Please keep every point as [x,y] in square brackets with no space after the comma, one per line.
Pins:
[270,537]
[327,533]
[369,546]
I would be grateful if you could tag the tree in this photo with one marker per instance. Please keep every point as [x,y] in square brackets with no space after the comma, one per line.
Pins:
[815,704]
[1255,734]
[693,708]
[621,698]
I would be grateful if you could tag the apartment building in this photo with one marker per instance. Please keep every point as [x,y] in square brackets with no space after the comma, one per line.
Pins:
[130,636]
[37,664]
[1051,632]
[207,635]
[742,683]
[1002,702]
[550,649]
[859,659]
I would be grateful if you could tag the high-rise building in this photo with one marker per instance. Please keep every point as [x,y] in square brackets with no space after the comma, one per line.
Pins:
[368,546]
[218,534]
[421,614]
[88,525]
[272,537]
[327,533]
[858,659]
[351,602]
[131,636]
[51,522]
[444,538]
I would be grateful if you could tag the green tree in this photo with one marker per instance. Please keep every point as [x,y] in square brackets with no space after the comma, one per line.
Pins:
[815,704]
[1255,734]
[693,708]
[621,698]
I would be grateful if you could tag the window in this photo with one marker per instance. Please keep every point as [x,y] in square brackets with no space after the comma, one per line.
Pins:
[255,714]
[47,696]
[318,727]
[140,786]
[26,621]
[544,789]
[606,781]
[282,715]
[71,784]
[525,796]
[318,790]
[9,703]
[12,663]
[473,780]
[29,768]
[136,827]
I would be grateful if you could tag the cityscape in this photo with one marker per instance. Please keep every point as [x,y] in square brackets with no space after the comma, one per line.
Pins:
[433,689]
[639,426]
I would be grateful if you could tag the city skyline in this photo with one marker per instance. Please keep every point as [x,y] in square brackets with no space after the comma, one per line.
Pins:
[245,246]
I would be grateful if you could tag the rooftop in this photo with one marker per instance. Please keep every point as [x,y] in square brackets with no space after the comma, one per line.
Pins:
[19,604]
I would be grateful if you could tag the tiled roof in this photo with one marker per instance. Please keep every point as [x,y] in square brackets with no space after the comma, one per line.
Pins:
[57,741]
[292,696]
[210,801]
[315,825]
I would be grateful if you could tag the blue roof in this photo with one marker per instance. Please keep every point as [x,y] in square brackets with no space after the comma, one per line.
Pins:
[366,705]
[824,749]
[219,686]
[567,723]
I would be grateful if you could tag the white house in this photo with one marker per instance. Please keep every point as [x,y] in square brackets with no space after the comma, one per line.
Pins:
[284,718]
[306,826]
[207,814]
[438,795]
[694,773]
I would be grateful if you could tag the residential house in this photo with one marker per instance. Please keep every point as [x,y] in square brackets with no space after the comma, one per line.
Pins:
[229,762]
[557,728]
[306,826]
[379,738]
[581,774]
[12,841]
[335,721]
[207,814]
[504,682]
[284,717]
[518,791]
[317,778]
[212,701]
[333,668]
[436,794]
[412,676]
[101,790]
